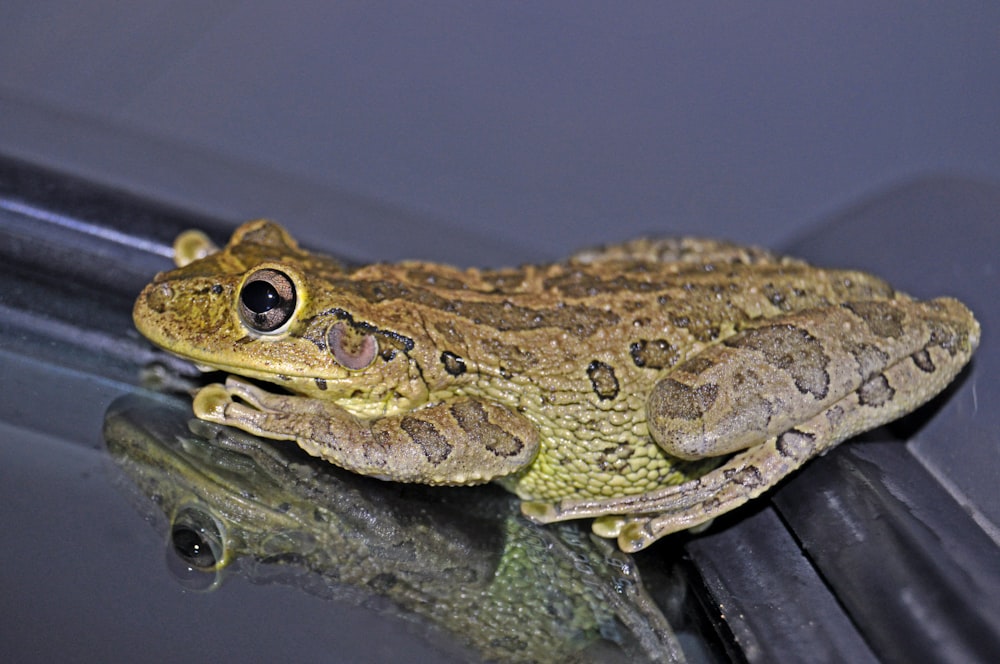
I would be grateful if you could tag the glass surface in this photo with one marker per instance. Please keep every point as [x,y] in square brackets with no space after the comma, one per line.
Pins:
[91,569]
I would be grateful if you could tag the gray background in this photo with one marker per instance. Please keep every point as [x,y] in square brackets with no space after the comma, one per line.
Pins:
[541,126]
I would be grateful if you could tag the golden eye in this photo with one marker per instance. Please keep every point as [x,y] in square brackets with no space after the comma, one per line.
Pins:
[352,349]
[267,300]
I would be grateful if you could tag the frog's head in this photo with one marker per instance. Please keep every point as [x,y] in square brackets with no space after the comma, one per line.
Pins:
[262,307]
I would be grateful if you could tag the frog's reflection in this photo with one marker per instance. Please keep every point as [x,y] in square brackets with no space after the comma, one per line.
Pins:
[460,560]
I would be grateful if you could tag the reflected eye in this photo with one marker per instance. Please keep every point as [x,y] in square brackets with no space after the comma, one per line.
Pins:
[196,539]
[267,300]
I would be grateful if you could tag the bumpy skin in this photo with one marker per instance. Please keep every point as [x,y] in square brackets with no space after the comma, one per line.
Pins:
[653,384]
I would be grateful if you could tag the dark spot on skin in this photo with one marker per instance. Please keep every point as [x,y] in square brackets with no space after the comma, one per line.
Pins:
[794,444]
[776,297]
[704,331]
[580,284]
[871,359]
[834,415]
[876,392]
[696,366]
[508,356]
[375,291]
[320,383]
[377,453]
[791,349]
[672,400]
[861,288]
[318,341]
[709,505]
[217,289]
[503,280]
[506,316]
[420,275]
[923,361]
[382,583]
[614,458]
[748,477]
[945,337]
[473,420]
[882,319]
[654,353]
[453,364]
[428,438]
[603,379]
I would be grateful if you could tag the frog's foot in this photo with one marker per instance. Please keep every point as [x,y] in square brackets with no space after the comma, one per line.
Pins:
[637,521]
[245,406]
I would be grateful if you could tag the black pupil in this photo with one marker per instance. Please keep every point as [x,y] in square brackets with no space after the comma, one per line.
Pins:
[260,296]
[192,547]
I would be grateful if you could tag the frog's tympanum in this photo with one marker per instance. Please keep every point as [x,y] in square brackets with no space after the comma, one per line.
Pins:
[653,385]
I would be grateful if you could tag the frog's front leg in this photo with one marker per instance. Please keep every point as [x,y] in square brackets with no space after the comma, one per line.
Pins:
[464,441]
[784,391]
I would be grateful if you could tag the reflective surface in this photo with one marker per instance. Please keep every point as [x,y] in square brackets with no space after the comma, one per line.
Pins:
[463,567]
[801,575]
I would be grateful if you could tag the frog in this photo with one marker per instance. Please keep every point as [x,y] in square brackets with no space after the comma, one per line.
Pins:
[650,385]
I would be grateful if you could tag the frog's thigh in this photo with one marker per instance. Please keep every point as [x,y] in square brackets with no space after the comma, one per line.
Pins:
[947,340]
[639,520]
[767,378]
[752,472]
[458,442]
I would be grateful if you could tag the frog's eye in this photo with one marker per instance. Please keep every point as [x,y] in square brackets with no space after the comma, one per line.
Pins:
[267,300]
[197,540]
[351,348]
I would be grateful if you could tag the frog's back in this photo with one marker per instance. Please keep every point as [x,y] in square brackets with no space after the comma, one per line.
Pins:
[576,346]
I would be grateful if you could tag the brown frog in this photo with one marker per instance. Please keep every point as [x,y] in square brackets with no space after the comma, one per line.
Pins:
[653,385]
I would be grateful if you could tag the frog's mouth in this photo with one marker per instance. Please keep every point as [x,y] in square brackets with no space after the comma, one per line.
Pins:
[212,342]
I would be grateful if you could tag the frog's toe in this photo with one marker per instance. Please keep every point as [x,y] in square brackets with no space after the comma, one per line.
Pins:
[635,536]
[245,391]
[211,402]
[539,511]
[233,404]
[610,526]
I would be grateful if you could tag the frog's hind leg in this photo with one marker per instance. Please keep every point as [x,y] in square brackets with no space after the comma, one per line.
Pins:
[639,520]
[744,477]
[903,372]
